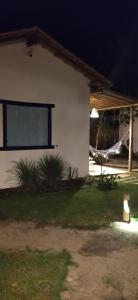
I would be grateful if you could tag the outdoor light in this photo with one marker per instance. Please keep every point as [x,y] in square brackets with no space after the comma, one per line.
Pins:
[94,113]
[126,225]
[30,51]
[126,210]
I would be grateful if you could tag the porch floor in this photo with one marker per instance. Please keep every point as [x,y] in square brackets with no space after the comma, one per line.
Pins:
[113,166]
[96,170]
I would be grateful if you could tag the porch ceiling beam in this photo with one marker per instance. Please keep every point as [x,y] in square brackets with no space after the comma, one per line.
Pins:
[114,96]
[113,107]
[113,99]
[109,100]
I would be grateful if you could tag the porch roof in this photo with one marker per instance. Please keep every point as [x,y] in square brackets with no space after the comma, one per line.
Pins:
[109,100]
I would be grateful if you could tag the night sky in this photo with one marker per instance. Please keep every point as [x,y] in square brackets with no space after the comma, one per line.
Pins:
[102,33]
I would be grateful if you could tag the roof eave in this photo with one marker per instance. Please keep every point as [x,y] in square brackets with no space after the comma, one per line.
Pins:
[95,78]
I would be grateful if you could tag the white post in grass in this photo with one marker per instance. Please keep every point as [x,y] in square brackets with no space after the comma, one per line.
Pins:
[130,139]
[126,210]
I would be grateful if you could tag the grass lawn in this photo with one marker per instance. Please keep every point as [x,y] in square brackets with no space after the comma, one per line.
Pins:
[85,208]
[33,275]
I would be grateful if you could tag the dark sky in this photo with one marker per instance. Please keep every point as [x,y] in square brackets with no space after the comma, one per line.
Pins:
[103,33]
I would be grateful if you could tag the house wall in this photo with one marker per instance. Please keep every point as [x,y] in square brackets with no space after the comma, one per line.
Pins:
[124,129]
[45,78]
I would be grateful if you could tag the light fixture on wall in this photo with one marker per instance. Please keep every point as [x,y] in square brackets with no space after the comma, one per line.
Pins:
[31,41]
[94,113]
[30,51]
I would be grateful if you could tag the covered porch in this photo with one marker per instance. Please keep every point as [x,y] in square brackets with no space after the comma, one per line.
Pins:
[107,100]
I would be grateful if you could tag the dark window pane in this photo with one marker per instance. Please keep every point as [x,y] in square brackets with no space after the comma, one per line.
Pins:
[27,126]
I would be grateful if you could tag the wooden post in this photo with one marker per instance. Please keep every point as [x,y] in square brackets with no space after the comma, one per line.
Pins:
[130,139]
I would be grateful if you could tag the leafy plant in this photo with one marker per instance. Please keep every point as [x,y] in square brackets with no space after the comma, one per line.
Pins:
[125,116]
[89,180]
[106,182]
[72,180]
[72,173]
[51,169]
[105,133]
[100,159]
[124,151]
[26,174]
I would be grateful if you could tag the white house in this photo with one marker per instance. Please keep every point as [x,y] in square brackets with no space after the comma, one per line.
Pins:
[44,101]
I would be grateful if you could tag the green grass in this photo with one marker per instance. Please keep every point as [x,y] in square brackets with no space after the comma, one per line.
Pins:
[31,275]
[85,208]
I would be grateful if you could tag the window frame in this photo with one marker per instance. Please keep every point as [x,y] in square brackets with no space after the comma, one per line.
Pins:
[5,103]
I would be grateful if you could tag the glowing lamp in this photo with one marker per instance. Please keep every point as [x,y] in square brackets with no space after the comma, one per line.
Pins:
[94,113]
[126,209]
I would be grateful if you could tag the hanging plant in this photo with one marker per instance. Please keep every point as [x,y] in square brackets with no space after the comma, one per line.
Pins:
[125,116]
[104,132]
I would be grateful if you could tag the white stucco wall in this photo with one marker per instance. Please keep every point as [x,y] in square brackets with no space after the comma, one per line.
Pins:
[124,129]
[47,79]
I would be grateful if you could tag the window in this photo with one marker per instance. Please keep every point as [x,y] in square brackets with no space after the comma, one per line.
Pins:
[25,125]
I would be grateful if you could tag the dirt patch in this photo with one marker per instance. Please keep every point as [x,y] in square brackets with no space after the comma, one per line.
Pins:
[107,260]
[103,243]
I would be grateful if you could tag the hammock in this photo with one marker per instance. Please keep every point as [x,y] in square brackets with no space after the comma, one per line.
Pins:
[115,149]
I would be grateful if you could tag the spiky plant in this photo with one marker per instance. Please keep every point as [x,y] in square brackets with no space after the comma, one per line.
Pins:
[26,174]
[51,169]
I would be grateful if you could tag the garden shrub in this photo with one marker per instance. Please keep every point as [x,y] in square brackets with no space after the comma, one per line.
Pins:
[26,174]
[51,168]
[100,159]
[50,173]
[89,180]
[72,173]
[106,182]
[72,179]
